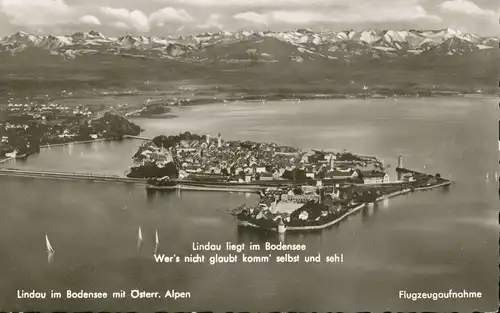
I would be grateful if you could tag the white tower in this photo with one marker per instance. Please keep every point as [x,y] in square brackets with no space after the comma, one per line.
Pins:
[400,166]
[332,161]
[208,138]
[219,141]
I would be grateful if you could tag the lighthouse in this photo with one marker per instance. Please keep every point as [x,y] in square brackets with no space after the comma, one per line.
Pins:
[219,141]
[207,138]
[400,166]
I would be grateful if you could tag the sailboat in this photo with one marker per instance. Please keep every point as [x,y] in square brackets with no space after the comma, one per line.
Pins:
[139,238]
[157,242]
[496,175]
[487,175]
[49,246]
[140,234]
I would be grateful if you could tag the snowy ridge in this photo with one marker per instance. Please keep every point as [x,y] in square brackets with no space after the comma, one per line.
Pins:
[304,44]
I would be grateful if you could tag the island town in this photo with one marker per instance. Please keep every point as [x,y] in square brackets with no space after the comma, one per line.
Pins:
[298,190]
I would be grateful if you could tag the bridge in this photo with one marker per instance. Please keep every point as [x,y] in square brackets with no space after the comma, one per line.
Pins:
[70,176]
[137,137]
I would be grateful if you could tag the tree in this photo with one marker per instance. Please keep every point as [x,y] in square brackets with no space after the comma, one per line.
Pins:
[300,175]
[287,175]
[298,191]
[158,140]
[360,174]
[241,175]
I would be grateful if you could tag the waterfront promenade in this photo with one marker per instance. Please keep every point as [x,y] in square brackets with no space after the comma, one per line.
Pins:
[75,142]
[92,141]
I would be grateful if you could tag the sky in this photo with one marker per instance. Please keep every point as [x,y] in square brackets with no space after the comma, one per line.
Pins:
[181,17]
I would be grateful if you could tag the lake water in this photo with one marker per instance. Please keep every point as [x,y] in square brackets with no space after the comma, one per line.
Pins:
[429,241]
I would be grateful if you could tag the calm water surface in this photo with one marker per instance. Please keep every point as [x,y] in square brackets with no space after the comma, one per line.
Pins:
[429,241]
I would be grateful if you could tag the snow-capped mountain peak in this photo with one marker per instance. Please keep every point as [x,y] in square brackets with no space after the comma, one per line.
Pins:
[303,43]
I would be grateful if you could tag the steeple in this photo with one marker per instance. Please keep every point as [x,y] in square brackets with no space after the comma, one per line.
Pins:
[332,161]
[219,141]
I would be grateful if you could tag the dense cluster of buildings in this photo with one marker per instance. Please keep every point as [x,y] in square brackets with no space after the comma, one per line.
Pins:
[248,162]
[51,122]
[43,111]
[26,126]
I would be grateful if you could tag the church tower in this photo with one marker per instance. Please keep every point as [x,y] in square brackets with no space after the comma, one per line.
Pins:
[219,141]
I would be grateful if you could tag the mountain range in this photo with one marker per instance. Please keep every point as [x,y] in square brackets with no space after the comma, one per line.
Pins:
[290,57]
[300,45]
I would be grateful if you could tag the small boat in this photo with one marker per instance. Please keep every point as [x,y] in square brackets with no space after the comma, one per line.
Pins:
[487,175]
[139,239]
[157,242]
[281,227]
[48,245]
[140,234]
[496,176]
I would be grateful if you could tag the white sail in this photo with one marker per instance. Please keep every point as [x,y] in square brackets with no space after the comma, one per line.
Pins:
[157,242]
[140,233]
[487,175]
[49,246]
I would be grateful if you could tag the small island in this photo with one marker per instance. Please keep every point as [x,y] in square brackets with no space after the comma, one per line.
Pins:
[298,190]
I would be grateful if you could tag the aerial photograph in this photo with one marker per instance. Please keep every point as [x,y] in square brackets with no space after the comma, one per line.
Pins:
[249,155]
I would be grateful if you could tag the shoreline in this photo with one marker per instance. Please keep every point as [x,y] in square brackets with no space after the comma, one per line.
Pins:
[79,142]
[5,160]
[281,98]
[350,212]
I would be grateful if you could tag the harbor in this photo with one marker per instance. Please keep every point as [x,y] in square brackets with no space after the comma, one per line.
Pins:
[353,207]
